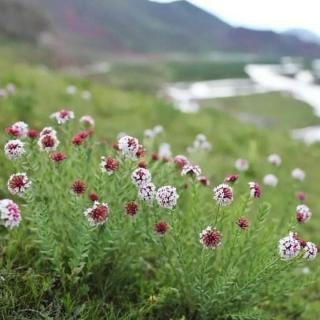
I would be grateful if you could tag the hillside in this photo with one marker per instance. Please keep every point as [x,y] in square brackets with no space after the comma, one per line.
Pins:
[140,26]
[19,21]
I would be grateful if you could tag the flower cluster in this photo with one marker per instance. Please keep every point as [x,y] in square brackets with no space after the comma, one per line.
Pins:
[303,213]
[289,247]
[140,177]
[128,146]
[191,170]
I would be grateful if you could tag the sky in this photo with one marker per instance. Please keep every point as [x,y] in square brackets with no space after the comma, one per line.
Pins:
[278,15]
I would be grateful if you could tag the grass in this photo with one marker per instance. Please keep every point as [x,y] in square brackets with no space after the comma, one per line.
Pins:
[274,111]
[41,92]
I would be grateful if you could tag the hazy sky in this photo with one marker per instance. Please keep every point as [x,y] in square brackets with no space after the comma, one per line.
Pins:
[266,14]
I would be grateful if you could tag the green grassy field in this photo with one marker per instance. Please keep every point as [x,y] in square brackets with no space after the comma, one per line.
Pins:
[41,92]
[273,111]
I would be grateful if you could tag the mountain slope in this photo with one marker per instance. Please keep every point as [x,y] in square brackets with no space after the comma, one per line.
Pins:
[143,26]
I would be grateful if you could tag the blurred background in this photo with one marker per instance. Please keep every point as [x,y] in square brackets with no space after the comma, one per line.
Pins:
[252,59]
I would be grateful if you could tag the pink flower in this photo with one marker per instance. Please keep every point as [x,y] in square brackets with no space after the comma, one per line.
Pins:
[223,194]
[18,184]
[191,170]
[167,197]
[128,146]
[233,178]
[210,238]
[242,165]
[87,121]
[141,177]
[14,149]
[98,214]
[204,181]
[62,116]
[48,130]
[48,142]
[303,213]
[289,247]
[255,190]
[109,165]
[301,196]
[10,214]
[18,130]
[147,192]
[181,161]
[310,251]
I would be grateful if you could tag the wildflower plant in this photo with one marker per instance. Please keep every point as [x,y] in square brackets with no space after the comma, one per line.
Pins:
[115,222]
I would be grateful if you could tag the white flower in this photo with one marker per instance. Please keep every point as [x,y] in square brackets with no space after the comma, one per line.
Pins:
[10,214]
[14,149]
[274,159]
[18,184]
[147,192]
[71,90]
[241,165]
[288,247]
[87,120]
[128,146]
[270,180]
[62,116]
[48,142]
[303,213]
[86,95]
[48,130]
[223,195]
[298,174]
[192,170]
[149,134]
[200,144]
[3,93]
[141,177]
[310,251]
[165,151]
[167,197]
[11,88]
[157,129]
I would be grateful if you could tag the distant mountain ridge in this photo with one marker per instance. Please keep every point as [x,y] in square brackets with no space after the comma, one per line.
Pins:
[142,26]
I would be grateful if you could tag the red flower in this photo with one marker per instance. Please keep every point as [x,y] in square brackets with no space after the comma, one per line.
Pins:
[243,223]
[142,164]
[161,228]
[58,157]
[33,134]
[78,187]
[93,197]
[301,196]
[109,165]
[155,157]
[210,238]
[98,214]
[115,146]
[77,140]
[141,152]
[131,208]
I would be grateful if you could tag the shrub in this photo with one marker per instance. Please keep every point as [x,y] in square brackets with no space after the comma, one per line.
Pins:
[130,234]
